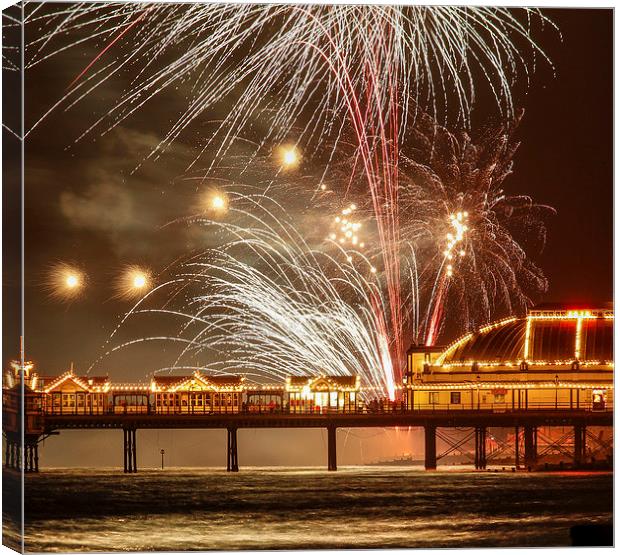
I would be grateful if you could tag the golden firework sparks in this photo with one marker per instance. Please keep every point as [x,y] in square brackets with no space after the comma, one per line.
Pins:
[454,238]
[289,156]
[65,281]
[134,282]
[214,202]
[347,230]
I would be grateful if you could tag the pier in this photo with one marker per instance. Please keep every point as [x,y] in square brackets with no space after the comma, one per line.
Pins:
[525,421]
[552,368]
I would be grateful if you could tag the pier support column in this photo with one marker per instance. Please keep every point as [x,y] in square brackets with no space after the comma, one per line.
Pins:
[130,462]
[517,461]
[11,460]
[27,458]
[579,455]
[125,450]
[480,455]
[31,466]
[430,448]
[332,458]
[133,450]
[232,461]
[531,448]
[13,455]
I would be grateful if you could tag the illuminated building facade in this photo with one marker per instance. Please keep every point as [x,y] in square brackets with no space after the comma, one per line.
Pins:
[72,394]
[197,393]
[557,356]
[323,394]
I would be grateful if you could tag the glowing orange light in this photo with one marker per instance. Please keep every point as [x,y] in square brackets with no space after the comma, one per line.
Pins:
[134,281]
[289,156]
[65,281]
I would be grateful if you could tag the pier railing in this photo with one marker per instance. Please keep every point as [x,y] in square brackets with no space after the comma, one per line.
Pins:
[360,409]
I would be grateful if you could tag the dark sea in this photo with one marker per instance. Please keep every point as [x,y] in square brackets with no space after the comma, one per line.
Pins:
[281,508]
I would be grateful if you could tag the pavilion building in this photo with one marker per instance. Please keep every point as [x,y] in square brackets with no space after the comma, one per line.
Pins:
[557,356]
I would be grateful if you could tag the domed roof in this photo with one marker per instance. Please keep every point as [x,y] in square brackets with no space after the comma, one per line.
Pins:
[547,335]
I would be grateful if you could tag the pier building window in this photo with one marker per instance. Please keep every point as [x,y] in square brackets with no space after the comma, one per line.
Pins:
[433,397]
[455,397]
[333,399]
[598,399]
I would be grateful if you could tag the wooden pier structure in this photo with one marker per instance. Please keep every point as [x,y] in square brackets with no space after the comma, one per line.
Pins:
[526,422]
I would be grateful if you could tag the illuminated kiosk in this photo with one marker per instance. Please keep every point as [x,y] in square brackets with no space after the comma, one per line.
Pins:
[73,394]
[558,357]
[197,393]
[307,394]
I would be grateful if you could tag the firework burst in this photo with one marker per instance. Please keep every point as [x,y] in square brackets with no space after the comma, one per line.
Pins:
[320,73]
[276,297]
[266,303]
[469,234]
[65,281]
[279,63]
[133,282]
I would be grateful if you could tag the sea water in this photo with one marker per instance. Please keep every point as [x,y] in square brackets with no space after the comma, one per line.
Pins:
[284,508]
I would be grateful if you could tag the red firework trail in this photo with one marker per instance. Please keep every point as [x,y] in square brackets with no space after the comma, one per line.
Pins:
[112,43]
[381,162]
[433,327]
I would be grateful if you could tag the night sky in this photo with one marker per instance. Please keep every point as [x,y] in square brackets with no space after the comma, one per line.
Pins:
[85,204]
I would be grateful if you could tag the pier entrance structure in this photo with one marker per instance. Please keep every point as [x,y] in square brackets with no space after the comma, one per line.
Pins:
[552,368]
[556,358]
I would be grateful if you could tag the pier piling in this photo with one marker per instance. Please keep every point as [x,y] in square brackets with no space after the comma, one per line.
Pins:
[517,447]
[430,448]
[480,455]
[331,449]
[130,463]
[232,460]
[531,448]
[579,455]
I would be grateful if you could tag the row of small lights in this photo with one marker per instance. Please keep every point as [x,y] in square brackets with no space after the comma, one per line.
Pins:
[69,374]
[510,385]
[529,362]
[568,315]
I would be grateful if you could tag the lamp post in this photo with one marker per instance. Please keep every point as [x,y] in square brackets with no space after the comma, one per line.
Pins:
[162,459]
